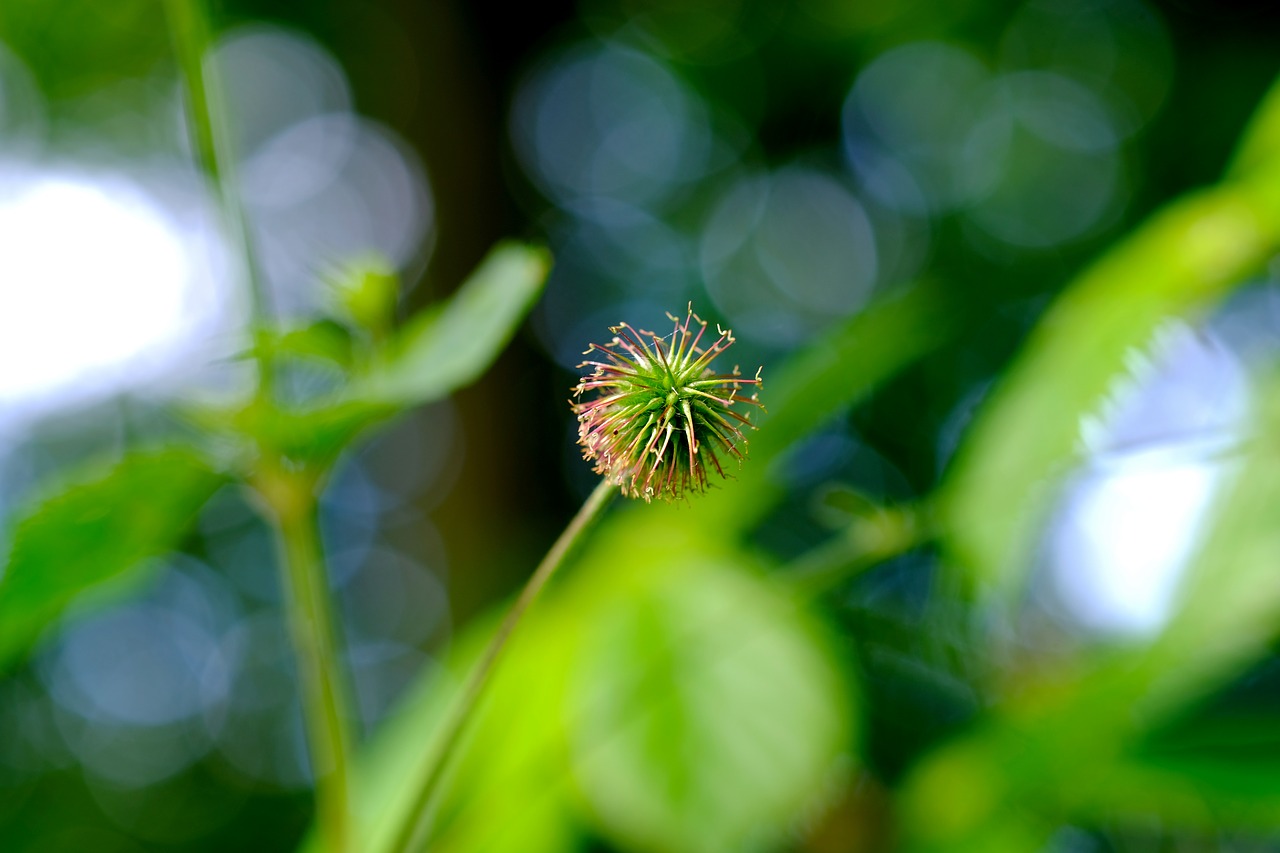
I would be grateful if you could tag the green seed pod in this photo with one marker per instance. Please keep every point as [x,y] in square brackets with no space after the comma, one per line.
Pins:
[663,417]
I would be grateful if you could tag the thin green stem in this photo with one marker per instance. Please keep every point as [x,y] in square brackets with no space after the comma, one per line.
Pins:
[870,540]
[311,628]
[290,497]
[413,832]
[190,33]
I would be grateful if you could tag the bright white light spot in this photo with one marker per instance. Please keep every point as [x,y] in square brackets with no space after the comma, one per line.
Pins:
[94,278]
[1133,517]
[1125,542]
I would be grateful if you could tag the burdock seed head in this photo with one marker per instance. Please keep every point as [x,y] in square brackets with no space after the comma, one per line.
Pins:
[663,417]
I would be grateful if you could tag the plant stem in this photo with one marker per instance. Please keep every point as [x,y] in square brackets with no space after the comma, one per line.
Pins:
[311,628]
[416,824]
[190,33]
[868,541]
[289,496]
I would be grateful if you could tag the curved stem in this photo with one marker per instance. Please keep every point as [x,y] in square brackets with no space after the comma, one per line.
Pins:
[412,833]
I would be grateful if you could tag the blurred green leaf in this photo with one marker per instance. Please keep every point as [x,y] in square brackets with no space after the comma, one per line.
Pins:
[441,349]
[1027,434]
[78,46]
[508,789]
[93,532]
[449,346]
[707,711]
[1260,144]
[511,790]
[1052,745]
[1208,771]
[323,340]
[1230,598]
[1065,742]
[313,434]
[664,693]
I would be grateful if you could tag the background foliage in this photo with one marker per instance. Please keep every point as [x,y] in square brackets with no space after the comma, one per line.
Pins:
[998,575]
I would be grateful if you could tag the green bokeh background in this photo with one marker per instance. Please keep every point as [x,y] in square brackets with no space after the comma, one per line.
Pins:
[821,655]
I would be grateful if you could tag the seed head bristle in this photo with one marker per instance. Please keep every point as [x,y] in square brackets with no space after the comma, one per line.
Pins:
[662,417]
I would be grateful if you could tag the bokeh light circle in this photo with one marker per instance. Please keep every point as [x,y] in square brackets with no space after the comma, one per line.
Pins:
[785,253]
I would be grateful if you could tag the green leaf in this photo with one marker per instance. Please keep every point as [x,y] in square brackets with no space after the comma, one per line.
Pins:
[449,346]
[97,531]
[660,659]
[1230,599]
[443,348]
[323,341]
[707,711]
[1201,794]
[314,434]
[1073,736]
[508,789]
[511,790]
[1027,435]
[1261,142]
[1210,770]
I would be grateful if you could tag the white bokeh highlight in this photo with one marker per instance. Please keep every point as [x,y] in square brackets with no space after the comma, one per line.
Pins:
[101,288]
[786,253]
[320,184]
[1157,455]
[606,120]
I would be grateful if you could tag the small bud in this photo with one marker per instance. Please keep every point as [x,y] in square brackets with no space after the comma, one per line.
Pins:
[365,289]
[663,417]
